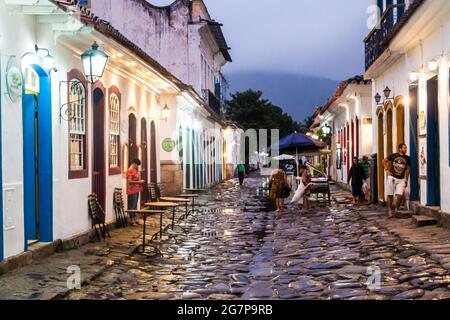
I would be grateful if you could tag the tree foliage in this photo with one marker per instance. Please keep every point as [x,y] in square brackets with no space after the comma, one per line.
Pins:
[251,111]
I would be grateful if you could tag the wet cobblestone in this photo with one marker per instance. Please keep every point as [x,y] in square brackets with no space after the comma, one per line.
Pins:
[237,249]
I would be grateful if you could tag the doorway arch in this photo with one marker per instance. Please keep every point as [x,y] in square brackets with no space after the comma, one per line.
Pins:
[380,154]
[145,166]
[153,153]
[188,158]
[37,160]
[132,138]
[400,120]
[389,131]
[98,168]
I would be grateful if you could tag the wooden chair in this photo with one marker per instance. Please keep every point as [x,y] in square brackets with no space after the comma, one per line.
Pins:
[118,203]
[157,195]
[154,191]
[98,217]
[119,208]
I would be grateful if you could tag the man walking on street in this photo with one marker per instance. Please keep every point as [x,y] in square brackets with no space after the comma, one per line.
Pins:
[241,173]
[365,164]
[398,176]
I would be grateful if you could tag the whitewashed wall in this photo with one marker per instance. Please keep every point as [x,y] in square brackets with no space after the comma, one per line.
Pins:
[12,162]
[70,216]
[435,44]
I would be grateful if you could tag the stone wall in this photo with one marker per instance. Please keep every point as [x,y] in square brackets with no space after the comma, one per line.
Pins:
[171,177]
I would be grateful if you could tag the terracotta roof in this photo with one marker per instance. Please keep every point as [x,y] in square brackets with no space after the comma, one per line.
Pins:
[105,28]
[359,79]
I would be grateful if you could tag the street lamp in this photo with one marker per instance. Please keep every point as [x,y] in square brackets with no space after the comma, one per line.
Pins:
[94,63]
[387,92]
[166,112]
[48,62]
[326,130]
[433,65]
[377,98]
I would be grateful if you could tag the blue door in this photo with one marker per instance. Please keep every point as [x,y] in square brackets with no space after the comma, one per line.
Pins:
[37,162]
[413,98]
[433,155]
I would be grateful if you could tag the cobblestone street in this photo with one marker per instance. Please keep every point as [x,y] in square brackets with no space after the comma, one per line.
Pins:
[236,249]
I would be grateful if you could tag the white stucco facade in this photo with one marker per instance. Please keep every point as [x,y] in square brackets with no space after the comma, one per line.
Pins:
[144,88]
[418,53]
[348,114]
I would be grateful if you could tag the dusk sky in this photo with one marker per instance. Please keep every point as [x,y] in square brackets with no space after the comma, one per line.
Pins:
[321,38]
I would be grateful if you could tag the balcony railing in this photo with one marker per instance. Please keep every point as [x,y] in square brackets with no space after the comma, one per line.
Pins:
[214,103]
[375,41]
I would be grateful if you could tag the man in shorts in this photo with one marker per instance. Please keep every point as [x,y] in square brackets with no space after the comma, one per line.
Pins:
[398,176]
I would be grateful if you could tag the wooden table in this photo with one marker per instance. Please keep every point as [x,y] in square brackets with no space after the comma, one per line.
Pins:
[145,214]
[194,190]
[177,200]
[192,197]
[166,206]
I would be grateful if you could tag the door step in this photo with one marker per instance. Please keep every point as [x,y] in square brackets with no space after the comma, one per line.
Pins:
[403,214]
[423,221]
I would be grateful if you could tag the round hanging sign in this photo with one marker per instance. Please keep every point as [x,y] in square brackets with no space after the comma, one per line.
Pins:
[14,79]
[168,145]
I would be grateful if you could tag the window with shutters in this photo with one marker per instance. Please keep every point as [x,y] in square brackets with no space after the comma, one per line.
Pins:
[114,131]
[77,111]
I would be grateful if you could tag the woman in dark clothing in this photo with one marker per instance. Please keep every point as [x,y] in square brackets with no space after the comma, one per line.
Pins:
[357,176]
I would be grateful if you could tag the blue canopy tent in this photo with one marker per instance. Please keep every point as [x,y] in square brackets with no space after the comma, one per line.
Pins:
[296,142]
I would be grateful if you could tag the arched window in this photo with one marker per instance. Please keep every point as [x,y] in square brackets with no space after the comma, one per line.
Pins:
[78,151]
[114,131]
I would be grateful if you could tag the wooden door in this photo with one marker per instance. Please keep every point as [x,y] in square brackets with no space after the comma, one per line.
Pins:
[153,153]
[98,168]
[145,166]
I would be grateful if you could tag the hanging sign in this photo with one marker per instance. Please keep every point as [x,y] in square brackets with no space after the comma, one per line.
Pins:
[168,145]
[423,157]
[14,79]
[422,123]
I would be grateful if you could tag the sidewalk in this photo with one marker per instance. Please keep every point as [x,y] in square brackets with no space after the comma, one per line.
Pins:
[46,278]
[434,240]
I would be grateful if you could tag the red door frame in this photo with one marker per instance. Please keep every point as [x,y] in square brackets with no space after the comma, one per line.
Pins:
[153,152]
[353,140]
[144,167]
[347,146]
[99,159]
[132,138]
[357,136]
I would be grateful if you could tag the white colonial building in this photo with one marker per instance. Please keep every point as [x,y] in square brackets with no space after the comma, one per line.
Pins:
[407,57]
[63,137]
[347,115]
[185,39]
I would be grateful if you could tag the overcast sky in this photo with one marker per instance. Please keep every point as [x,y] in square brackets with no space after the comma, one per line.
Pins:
[314,37]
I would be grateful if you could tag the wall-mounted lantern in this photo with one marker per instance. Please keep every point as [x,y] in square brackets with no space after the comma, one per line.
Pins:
[377,98]
[387,92]
[48,62]
[166,112]
[433,65]
[94,63]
